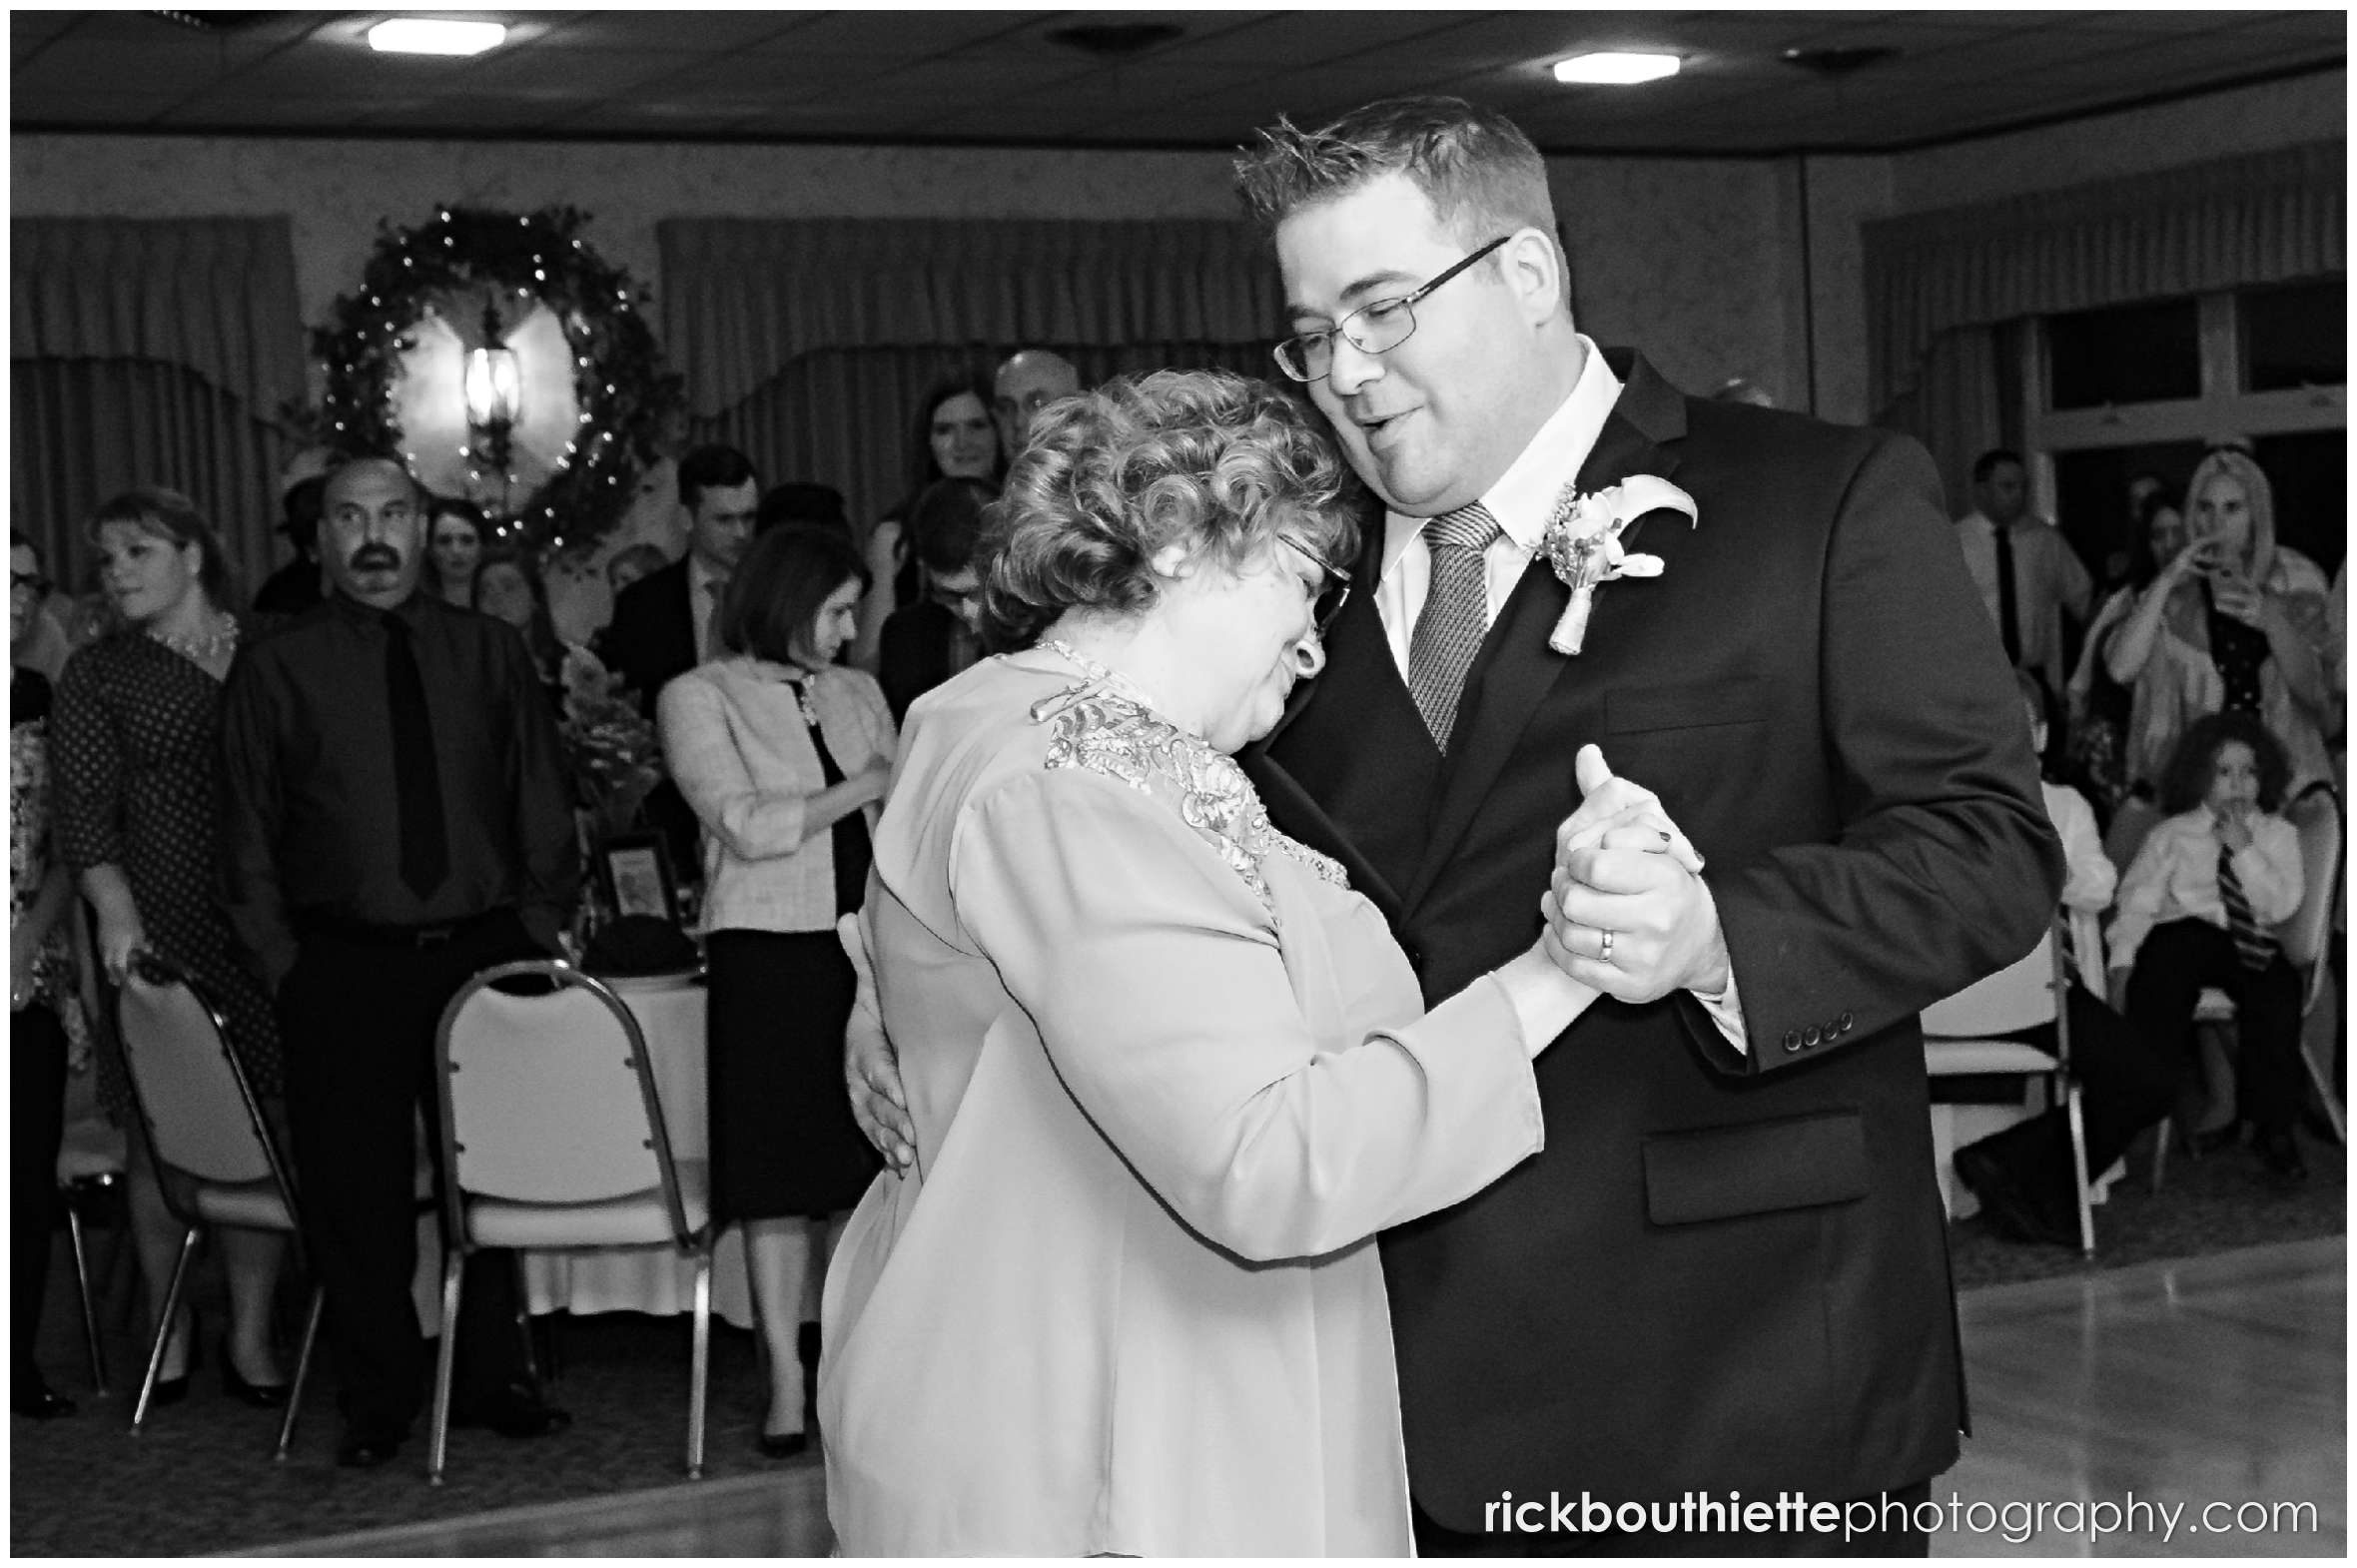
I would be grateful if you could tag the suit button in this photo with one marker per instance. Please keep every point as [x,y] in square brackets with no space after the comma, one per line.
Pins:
[1792,1039]
[1846,1023]
[1813,1036]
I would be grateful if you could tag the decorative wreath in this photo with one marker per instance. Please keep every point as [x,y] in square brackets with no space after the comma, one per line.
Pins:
[625,395]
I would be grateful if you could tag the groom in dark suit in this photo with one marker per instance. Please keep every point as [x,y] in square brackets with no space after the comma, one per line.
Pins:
[1727,1271]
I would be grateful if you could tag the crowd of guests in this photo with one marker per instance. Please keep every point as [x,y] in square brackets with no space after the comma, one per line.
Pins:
[208,785]
[212,786]
[2205,703]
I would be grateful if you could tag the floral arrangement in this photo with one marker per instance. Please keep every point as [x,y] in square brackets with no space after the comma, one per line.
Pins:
[610,747]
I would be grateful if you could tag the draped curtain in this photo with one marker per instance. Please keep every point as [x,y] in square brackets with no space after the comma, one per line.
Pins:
[1939,282]
[808,342]
[150,350]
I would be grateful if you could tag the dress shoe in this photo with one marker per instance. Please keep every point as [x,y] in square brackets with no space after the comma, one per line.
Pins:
[365,1450]
[781,1446]
[262,1396]
[516,1411]
[172,1390]
[2279,1151]
[2010,1210]
[41,1404]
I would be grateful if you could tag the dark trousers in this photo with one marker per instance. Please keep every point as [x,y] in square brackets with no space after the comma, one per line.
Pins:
[36,1125]
[2125,1087]
[359,1023]
[2173,966]
[1437,1540]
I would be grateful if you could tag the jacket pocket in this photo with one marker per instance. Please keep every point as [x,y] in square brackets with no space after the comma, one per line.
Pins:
[1756,1168]
[1690,705]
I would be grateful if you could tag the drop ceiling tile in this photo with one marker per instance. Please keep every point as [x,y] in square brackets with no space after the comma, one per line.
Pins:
[53,106]
[575,73]
[715,31]
[900,34]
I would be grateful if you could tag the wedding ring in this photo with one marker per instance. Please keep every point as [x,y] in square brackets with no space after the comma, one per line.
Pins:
[1606,953]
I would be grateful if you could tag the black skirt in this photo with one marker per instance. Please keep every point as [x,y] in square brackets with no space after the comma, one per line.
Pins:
[783,1142]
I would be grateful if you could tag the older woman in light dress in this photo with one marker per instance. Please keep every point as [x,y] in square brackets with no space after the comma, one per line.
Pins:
[1166,1075]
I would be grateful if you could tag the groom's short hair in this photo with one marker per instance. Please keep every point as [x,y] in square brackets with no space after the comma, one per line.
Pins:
[1481,174]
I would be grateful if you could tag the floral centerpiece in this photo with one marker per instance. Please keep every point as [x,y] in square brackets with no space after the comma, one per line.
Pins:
[609,746]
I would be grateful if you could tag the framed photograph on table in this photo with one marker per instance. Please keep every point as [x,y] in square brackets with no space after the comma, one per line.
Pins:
[638,875]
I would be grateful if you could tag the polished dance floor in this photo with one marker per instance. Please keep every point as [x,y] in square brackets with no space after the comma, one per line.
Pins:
[2195,1407]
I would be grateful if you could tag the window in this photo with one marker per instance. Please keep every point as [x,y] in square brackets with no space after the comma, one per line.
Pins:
[2147,387]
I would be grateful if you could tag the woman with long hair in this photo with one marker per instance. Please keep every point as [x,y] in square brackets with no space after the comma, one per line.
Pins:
[133,748]
[456,534]
[953,439]
[2234,622]
[2099,705]
[509,587]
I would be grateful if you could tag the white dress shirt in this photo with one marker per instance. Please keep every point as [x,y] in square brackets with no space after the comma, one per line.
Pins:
[2175,876]
[1521,500]
[706,584]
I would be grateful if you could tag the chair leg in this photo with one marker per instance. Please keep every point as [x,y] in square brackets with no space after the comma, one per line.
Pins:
[311,1336]
[2331,1103]
[2160,1149]
[98,1360]
[445,1362]
[523,1318]
[164,1322]
[699,1362]
[2079,1170]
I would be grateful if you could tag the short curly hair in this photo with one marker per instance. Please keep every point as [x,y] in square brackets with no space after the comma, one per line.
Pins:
[2185,783]
[1215,461]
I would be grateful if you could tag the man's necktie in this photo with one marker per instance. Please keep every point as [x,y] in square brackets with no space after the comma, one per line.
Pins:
[1455,616]
[2254,947]
[417,777]
[2008,608]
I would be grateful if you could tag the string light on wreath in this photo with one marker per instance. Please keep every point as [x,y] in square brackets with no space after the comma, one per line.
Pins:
[625,395]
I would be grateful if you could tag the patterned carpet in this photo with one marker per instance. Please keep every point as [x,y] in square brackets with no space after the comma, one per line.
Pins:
[201,1481]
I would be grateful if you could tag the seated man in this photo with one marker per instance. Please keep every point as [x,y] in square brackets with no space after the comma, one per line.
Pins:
[2022,1175]
[936,637]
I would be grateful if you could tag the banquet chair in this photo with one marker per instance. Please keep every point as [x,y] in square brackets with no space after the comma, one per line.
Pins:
[553,1137]
[1960,1040]
[2306,939]
[217,1160]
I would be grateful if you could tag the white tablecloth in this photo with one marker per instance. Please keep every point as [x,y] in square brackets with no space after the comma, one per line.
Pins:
[670,1015]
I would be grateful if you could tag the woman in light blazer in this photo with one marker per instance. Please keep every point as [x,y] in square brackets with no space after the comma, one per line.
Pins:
[784,756]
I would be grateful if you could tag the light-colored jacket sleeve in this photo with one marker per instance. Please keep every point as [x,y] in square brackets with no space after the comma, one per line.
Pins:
[697,724]
[1157,985]
[2142,892]
[2271,871]
[2088,876]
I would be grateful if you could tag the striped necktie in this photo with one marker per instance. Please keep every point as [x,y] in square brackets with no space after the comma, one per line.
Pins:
[2254,947]
[1455,616]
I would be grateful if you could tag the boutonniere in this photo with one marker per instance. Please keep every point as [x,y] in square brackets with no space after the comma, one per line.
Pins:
[1582,543]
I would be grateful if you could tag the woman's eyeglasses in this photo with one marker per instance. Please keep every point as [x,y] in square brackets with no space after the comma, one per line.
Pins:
[1332,597]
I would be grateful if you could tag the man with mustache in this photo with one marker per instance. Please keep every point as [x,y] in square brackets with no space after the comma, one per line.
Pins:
[395,818]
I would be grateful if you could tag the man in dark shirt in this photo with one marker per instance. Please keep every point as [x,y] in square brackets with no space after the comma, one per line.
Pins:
[395,818]
[295,587]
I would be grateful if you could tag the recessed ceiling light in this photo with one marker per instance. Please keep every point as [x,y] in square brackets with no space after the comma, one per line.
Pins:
[1616,68]
[422,35]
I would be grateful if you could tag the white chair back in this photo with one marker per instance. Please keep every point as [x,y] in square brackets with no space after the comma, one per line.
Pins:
[199,1114]
[549,1098]
[2021,996]
[2318,819]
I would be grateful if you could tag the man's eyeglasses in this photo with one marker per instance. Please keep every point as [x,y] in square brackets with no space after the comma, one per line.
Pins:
[28,581]
[1375,327]
[1332,597]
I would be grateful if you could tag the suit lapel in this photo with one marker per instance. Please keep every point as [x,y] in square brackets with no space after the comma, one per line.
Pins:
[1515,669]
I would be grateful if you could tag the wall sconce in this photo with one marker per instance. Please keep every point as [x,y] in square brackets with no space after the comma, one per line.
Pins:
[495,390]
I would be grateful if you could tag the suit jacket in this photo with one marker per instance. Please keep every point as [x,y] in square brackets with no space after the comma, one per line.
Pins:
[653,638]
[650,643]
[1729,1268]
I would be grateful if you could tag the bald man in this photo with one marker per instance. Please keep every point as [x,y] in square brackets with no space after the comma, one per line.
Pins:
[1031,379]
[394,817]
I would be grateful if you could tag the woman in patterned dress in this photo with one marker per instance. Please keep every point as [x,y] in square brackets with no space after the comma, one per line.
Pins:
[133,748]
[1168,1073]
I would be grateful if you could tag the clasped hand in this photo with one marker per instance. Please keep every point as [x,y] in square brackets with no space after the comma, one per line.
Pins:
[1626,909]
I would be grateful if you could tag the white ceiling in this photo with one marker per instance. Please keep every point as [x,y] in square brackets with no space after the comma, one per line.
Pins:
[997,77]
